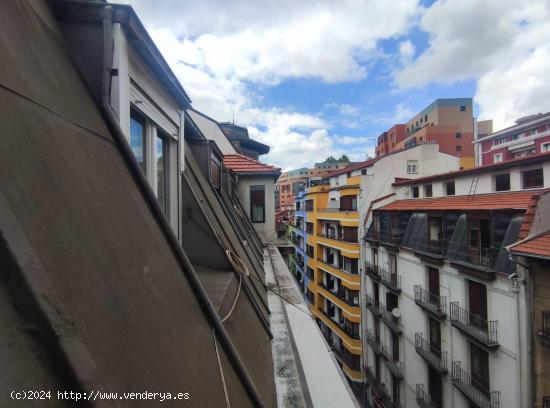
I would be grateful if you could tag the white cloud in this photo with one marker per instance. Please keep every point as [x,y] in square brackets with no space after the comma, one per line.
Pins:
[510,92]
[352,140]
[406,51]
[502,45]
[218,51]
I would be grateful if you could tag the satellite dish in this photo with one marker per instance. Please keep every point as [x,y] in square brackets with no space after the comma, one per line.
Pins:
[396,313]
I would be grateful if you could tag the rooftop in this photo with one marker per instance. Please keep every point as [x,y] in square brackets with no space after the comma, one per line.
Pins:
[496,201]
[356,166]
[537,246]
[245,165]
[533,159]
[521,123]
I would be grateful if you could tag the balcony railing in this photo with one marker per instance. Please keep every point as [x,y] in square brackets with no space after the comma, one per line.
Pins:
[336,210]
[339,267]
[339,238]
[546,402]
[347,358]
[423,399]
[431,353]
[431,247]
[396,367]
[476,392]
[544,333]
[474,325]
[393,323]
[352,334]
[373,271]
[375,343]
[372,305]
[340,294]
[391,280]
[480,256]
[437,305]
[388,238]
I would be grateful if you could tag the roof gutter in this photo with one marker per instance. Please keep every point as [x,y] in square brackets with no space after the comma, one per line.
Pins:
[148,194]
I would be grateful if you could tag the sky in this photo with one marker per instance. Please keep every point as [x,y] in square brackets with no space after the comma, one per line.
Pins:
[314,78]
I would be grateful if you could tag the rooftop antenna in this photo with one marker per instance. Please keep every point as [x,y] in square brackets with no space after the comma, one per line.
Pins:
[233,115]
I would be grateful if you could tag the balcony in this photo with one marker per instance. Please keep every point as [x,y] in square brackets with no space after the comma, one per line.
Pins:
[396,367]
[339,238]
[391,239]
[375,344]
[379,391]
[340,268]
[340,294]
[475,392]
[336,210]
[391,280]
[350,333]
[431,353]
[479,257]
[544,333]
[372,271]
[434,304]
[423,399]
[348,359]
[373,306]
[393,323]
[475,326]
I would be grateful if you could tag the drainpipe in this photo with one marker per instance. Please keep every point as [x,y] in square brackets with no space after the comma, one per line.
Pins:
[149,195]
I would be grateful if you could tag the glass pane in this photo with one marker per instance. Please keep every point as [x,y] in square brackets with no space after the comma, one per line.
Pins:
[137,140]
[160,152]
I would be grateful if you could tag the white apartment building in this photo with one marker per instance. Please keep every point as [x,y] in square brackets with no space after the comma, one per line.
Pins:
[443,309]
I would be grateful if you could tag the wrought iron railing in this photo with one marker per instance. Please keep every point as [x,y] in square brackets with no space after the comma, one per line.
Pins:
[475,255]
[372,270]
[373,305]
[473,389]
[391,279]
[433,303]
[385,237]
[396,367]
[393,323]
[340,294]
[476,326]
[374,342]
[423,399]
[432,353]
[339,267]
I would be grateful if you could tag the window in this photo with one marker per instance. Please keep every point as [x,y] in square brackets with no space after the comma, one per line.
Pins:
[497,158]
[257,204]
[161,160]
[458,148]
[364,171]
[532,178]
[545,147]
[458,135]
[412,166]
[428,190]
[450,188]
[502,182]
[137,138]
[462,108]
[415,192]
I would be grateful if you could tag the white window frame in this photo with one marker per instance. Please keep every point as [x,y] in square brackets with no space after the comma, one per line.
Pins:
[545,147]
[497,158]
[412,166]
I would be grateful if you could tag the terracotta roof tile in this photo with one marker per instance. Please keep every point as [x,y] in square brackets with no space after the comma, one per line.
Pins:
[245,165]
[539,245]
[352,167]
[512,200]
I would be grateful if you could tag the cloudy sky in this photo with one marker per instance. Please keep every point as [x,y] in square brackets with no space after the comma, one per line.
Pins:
[313,78]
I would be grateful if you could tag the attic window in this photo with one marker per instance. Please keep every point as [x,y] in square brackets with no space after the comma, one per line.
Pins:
[257,204]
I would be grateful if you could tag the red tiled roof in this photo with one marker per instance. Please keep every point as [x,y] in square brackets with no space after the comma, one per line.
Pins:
[513,200]
[245,165]
[480,169]
[356,166]
[538,246]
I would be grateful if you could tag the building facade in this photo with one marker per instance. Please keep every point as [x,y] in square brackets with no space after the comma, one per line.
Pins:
[448,122]
[529,135]
[444,320]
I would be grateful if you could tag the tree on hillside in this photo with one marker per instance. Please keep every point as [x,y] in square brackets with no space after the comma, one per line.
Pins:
[344,158]
[330,159]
